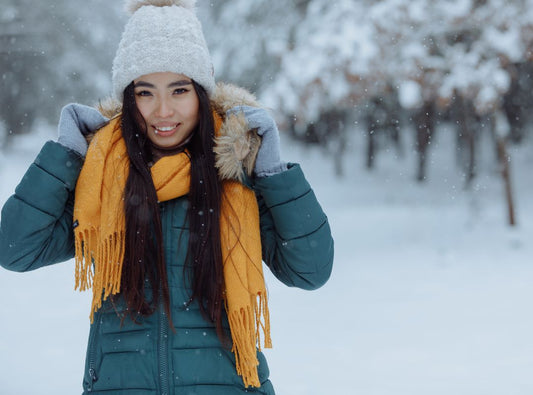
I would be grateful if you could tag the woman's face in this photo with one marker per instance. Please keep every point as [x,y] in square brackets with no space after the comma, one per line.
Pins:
[169,105]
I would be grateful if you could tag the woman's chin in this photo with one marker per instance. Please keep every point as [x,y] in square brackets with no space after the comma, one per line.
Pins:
[160,147]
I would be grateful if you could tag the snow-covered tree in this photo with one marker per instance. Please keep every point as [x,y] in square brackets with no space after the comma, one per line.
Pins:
[347,56]
[248,39]
[54,52]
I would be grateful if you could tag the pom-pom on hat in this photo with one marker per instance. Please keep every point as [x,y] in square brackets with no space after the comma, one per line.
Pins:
[162,36]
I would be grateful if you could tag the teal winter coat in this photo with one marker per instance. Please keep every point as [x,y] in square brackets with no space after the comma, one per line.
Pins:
[149,357]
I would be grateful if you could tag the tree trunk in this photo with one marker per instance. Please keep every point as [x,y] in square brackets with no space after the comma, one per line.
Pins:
[467,122]
[424,130]
[370,149]
[504,159]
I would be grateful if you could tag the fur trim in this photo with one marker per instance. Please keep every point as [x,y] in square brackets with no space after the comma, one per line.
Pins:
[236,146]
[227,96]
[133,5]
[109,107]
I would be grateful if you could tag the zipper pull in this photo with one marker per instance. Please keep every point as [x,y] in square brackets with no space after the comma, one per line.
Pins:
[93,375]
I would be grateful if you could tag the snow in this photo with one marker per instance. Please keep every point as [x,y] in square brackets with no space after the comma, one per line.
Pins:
[430,293]
[410,94]
[450,47]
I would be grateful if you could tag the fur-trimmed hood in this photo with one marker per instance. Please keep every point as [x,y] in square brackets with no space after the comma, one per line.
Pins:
[236,145]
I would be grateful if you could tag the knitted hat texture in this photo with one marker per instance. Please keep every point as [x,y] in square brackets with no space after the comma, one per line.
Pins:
[162,36]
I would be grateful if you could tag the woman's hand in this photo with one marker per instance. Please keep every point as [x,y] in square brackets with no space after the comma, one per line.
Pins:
[76,122]
[268,160]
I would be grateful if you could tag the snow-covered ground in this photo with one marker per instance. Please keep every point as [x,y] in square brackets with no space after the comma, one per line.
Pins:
[430,294]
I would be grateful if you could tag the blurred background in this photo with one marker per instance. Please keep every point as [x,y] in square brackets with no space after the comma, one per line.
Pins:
[413,120]
[381,68]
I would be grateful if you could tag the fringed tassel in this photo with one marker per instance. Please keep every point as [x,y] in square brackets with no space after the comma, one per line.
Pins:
[84,274]
[107,260]
[244,343]
[246,326]
[262,321]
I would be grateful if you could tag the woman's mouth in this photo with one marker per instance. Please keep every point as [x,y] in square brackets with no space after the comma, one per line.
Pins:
[165,131]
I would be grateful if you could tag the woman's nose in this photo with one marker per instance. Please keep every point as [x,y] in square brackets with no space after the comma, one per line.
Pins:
[164,109]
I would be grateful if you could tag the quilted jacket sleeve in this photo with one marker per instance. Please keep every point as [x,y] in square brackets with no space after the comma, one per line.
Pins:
[36,222]
[295,233]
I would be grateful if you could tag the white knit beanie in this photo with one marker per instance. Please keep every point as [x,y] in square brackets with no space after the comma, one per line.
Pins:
[162,36]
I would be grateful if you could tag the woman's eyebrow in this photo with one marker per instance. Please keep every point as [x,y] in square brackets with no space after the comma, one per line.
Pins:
[143,84]
[179,83]
[171,85]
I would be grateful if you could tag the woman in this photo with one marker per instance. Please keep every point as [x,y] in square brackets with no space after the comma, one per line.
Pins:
[169,211]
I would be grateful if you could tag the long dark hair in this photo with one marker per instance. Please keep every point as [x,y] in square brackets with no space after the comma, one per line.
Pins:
[144,260]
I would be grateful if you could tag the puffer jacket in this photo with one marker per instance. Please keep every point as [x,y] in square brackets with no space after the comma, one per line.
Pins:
[149,357]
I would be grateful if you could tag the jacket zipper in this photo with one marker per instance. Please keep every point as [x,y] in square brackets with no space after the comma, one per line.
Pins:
[163,351]
[92,353]
[163,329]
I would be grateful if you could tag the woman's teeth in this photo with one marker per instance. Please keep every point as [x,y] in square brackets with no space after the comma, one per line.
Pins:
[164,129]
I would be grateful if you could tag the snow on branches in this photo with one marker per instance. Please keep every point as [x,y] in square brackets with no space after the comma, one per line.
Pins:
[345,51]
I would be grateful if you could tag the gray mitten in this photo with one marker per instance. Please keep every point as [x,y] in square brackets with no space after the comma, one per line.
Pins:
[76,122]
[268,161]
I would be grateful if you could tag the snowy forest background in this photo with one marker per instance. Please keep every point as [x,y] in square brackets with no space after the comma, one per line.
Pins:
[382,68]
[413,121]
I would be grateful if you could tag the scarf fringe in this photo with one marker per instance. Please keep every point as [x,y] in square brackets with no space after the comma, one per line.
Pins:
[101,270]
[246,326]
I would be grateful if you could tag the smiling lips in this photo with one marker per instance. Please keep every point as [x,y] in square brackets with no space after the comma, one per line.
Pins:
[165,131]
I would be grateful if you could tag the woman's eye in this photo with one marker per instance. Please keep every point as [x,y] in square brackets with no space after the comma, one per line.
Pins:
[143,93]
[179,91]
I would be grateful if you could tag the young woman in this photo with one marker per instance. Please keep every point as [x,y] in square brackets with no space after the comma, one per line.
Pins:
[169,212]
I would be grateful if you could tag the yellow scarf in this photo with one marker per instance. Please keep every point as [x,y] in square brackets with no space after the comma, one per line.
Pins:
[99,238]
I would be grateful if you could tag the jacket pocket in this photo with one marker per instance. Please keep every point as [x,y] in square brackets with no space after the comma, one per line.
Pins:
[125,357]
